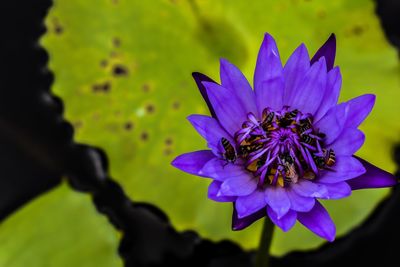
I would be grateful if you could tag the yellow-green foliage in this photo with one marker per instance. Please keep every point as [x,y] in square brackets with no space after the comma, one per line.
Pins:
[138,116]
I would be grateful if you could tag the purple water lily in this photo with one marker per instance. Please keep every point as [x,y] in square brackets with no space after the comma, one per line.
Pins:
[274,151]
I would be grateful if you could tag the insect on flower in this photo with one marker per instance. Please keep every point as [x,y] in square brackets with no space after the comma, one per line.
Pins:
[229,153]
[277,149]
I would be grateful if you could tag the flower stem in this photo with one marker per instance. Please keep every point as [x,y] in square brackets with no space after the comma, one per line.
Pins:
[263,253]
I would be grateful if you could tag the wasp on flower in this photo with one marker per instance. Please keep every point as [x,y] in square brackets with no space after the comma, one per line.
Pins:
[277,149]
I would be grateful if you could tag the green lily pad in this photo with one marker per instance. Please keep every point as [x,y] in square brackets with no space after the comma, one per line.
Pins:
[123,70]
[61,228]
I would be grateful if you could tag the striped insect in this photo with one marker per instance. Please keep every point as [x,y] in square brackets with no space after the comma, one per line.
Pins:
[330,158]
[305,126]
[307,139]
[327,159]
[290,173]
[229,153]
[292,114]
[267,118]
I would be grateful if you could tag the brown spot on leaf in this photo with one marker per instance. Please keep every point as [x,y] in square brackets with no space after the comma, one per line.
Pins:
[116,42]
[168,141]
[321,14]
[176,105]
[103,63]
[128,126]
[102,87]
[144,136]
[113,54]
[146,88]
[150,108]
[357,30]
[58,29]
[77,124]
[120,70]
[167,151]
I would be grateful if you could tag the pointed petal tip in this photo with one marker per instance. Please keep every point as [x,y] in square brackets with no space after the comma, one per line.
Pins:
[286,222]
[358,109]
[270,43]
[371,98]
[173,162]
[327,50]
[242,223]
[267,35]
[332,38]
[198,76]
[302,48]
[322,61]
[319,222]
[193,162]
[374,177]
[190,117]
[223,64]
[223,61]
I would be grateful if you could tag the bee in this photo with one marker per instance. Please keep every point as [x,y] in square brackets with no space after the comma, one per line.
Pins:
[292,114]
[305,125]
[291,175]
[244,150]
[267,118]
[320,162]
[307,139]
[230,154]
[327,160]
[309,175]
[330,158]
[286,158]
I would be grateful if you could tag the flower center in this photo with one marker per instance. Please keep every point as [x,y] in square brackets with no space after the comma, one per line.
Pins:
[282,148]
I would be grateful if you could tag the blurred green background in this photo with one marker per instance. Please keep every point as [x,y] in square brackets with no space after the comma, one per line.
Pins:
[123,69]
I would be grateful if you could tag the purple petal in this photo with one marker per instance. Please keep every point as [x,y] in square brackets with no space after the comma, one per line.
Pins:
[327,50]
[268,64]
[372,178]
[337,191]
[345,168]
[310,91]
[277,199]
[286,222]
[333,122]
[318,221]
[300,203]
[241,223]
[246,205]
[309,189]
[211,130]
[294,71]
[359,108]
[193,162]
[239,186]
[221,170]
[199,78]
[233,79]
[230,112]
[270,94]
[348,142]
[332,92]
[213,193]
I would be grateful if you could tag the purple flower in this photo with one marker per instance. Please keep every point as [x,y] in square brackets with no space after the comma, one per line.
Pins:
[278,149]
